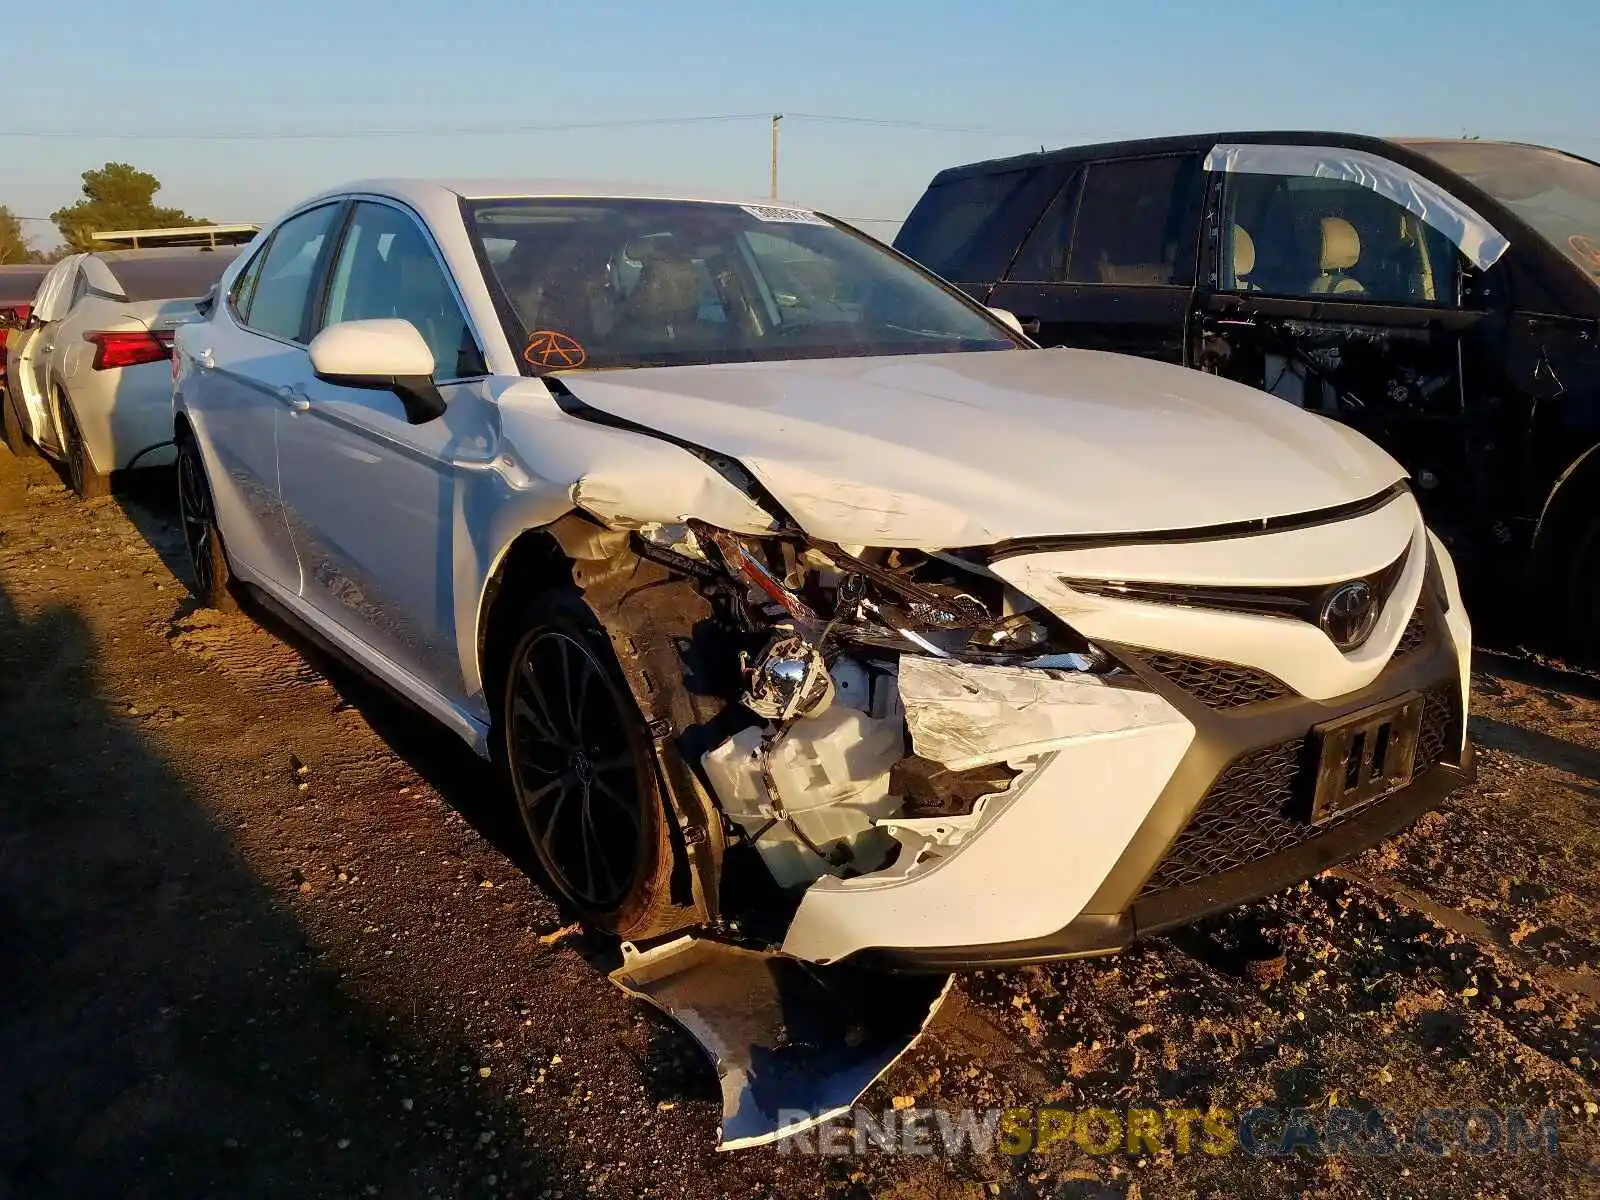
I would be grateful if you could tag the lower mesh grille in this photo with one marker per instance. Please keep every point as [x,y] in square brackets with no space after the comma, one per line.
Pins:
[1215,684]
[1248,813]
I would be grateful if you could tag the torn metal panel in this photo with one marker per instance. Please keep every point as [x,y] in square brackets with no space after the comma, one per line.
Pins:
[962,715]
[785,1037]
[1480,241]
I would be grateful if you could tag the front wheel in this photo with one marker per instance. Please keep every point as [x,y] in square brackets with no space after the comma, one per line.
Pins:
[213,582]
[583,773]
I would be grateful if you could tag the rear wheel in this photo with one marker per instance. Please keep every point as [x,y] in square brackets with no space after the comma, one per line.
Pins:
[82,476]
[583,773]
[12,426]
[213,582]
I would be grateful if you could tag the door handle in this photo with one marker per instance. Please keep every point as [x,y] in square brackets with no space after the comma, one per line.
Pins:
[294,398]
[204,359]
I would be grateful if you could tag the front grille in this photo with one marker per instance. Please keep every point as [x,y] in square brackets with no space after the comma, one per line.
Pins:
[1215,684]
[1249,813]
[1415,633]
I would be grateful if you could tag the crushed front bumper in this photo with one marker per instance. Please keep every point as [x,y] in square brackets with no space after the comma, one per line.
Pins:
[1126,840]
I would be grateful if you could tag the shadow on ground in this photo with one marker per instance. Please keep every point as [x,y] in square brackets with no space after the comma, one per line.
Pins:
[165,1027]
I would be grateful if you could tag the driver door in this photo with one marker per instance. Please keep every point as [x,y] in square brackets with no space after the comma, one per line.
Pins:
[375,503]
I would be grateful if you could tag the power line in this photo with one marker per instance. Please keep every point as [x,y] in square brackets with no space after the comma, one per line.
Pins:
[243,135]
[258,135]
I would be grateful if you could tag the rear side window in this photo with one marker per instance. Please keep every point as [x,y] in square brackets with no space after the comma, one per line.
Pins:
[1137,222]
[283,290]
[958,228]
[1044,255]
[244,284]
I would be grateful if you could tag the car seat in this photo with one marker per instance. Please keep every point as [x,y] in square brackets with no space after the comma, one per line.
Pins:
[1244,259]
[1341,250]
[664,305]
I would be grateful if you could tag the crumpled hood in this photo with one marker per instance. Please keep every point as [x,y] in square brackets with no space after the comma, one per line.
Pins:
[967,449]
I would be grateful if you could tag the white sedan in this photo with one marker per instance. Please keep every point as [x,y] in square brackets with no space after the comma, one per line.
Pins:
[89,373]
[738,538]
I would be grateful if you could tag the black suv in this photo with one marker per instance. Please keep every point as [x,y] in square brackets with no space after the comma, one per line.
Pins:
[1441,296]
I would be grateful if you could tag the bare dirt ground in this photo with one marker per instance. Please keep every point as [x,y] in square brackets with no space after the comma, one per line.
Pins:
[265,933]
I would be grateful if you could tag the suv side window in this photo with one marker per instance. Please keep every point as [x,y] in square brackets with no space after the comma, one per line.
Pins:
[1138,222]
[966,229]
[1304,236]
[282,294]
[1043,257]
[387,268]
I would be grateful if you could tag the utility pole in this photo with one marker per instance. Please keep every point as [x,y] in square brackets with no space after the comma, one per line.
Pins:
[776,117]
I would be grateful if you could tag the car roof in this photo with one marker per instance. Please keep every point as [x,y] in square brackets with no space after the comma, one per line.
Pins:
[427,193]
[1187,142]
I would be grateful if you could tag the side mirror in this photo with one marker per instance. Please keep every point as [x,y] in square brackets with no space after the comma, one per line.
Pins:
[1009,319]
[385,354]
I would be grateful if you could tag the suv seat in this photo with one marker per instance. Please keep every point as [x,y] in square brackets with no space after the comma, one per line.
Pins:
[1341,250]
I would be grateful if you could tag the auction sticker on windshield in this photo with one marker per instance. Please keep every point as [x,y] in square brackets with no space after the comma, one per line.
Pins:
[782,216]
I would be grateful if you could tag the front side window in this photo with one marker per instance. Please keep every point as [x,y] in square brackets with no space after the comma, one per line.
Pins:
[283,290]
[386,268]
[1137,222]
[620,283]
[1313,237]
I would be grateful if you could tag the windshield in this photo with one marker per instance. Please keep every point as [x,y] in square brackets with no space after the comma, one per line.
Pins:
[1558,195]
[631,283]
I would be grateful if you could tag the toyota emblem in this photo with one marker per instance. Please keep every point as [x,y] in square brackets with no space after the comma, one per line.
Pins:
[1349,613]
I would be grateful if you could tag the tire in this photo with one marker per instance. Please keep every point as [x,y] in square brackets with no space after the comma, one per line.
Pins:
[208,560]
[81,475]
[583,774]
[11,425]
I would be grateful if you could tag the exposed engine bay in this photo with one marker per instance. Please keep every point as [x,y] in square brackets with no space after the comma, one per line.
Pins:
[833,772]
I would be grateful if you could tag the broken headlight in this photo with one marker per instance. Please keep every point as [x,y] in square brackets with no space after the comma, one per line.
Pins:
[895,600]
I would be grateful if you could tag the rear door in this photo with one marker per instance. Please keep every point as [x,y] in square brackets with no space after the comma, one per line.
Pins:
[249,361]
[376,503]
[1111,264]
[1336,297]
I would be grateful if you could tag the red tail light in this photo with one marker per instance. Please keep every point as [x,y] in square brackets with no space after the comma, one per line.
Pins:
[17,312]
[118,349]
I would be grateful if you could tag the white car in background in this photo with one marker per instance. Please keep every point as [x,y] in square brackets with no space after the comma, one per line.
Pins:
[736,536]
[89,373]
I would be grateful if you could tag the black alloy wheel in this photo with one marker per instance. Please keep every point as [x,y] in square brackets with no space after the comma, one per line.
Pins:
[580,769]
[81,475]
[212,579]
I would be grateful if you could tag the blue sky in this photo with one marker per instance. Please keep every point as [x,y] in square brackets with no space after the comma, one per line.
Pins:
[1022,73]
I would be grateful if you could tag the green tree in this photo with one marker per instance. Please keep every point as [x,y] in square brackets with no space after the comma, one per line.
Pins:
[13,246]
[117,196]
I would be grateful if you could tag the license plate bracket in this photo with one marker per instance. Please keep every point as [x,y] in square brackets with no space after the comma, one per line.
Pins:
[1365,756]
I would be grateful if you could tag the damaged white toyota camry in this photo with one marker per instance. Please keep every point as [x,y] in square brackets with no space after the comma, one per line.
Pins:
[809,608]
